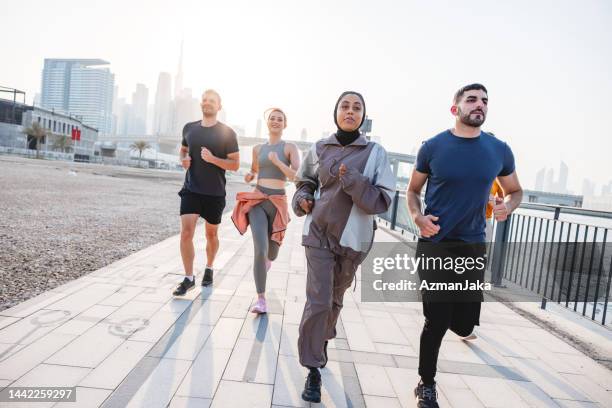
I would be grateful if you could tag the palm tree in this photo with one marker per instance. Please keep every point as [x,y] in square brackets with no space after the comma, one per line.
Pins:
[141,146]
[37,132]
[62,142]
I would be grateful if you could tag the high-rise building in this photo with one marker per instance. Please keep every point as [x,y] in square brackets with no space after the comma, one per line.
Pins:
[178,79]
[81,88]
[539,182]
[115,112]
[606,189]
[549,181]
[163,105]
[221,116]
[186,109]
[562,183]
[588,188]
[304,135]
[122,117]
[138,120]
[258,129]
[240,132]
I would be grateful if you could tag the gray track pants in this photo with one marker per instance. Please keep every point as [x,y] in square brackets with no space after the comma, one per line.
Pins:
[261,218]
[329,275]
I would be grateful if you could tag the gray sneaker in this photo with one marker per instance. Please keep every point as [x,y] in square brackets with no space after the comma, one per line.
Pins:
[426,396]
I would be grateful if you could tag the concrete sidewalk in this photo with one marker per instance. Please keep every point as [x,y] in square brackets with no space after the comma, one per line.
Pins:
[120,338]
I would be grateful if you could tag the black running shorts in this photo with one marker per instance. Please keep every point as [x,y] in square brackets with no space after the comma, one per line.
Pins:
[208,207]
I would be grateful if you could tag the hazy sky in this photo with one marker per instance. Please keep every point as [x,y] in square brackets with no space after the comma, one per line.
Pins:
[547,64]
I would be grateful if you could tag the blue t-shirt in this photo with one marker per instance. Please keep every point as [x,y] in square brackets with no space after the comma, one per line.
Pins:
[460,174]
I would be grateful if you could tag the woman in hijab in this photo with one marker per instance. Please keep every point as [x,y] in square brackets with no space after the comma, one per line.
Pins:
[343,182]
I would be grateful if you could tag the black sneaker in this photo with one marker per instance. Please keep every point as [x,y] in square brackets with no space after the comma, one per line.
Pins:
[426,395]
[185,286]
[208,277]
[312,388]
[325,353]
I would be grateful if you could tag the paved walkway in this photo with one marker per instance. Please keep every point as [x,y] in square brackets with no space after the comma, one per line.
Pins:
[119,337]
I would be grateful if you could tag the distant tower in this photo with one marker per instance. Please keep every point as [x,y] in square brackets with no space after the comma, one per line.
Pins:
[549,183]
[539,183]
[140,103]
[258,129]
[222,116]
[562,184]
[178,79]
[304,135]
[588,188]
[163,106]
[80,87]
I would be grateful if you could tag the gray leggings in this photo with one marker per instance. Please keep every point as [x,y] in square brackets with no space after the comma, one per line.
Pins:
[261,218]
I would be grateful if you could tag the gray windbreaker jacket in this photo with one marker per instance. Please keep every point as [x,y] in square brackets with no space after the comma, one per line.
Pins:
[342,217]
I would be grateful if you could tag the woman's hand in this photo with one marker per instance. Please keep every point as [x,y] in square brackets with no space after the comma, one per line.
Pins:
[273,157]
[306,205]
[249,177]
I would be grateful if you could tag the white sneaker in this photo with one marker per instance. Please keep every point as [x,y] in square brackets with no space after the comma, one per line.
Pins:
[471,336]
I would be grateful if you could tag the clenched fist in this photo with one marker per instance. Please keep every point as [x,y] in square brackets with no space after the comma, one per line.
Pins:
[186,162]
[500,210]
[426,226]
[306,205]
[207,156]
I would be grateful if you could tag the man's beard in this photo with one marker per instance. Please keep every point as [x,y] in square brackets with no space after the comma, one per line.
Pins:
[472,122]
[208,114]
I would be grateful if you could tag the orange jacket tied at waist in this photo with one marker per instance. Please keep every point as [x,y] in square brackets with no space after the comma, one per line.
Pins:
[246,200]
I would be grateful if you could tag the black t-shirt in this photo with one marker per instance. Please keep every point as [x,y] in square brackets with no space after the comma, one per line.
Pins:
[220,139]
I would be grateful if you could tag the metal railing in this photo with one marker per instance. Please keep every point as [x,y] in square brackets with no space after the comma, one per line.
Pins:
[562,261]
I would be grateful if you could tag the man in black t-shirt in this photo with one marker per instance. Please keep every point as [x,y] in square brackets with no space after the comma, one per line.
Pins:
[208,149]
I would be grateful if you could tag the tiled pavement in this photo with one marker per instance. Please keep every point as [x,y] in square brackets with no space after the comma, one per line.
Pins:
[122,340]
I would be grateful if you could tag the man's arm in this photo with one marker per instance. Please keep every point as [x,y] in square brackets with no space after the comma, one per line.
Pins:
[183,152]
[231,163]
[413,195]
[184,157]
[513,195]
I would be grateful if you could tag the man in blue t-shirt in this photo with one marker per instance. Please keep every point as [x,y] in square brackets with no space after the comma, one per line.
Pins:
[459,166]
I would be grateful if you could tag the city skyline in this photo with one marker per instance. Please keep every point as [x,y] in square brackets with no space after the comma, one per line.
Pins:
[79,87]
[407,59]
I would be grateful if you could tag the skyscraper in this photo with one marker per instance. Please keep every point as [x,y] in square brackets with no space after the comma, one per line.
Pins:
[258,129]
[606,189]
[75,87]
[186,109]
[178,79]
[539,183]
[549,181]
[588,188]
[562,183]
[138,120]
[163,105]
